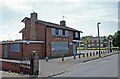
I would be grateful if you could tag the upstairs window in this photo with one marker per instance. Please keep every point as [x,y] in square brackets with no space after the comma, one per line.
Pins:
[56,31]
[52,30]
[15,48]
[66,33]
[60,32]
[76,34]
[63,32]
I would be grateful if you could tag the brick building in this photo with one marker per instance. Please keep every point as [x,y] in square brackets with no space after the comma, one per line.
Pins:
[93,42]
[48,39]
[20,48]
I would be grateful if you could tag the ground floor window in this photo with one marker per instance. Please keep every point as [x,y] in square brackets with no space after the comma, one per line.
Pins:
[15,48]
[59,45]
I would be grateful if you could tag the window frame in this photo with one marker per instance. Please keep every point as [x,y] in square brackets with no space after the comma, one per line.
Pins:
[76,34]
[66,33]
[14,49]
[52,30]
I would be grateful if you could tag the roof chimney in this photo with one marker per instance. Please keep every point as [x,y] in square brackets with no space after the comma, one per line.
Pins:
[62,23]
[33,16]
[33,35]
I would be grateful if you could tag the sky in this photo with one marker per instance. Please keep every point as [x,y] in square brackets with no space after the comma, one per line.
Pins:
[82,15]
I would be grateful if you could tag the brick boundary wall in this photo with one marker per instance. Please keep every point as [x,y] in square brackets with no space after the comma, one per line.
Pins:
[10,66]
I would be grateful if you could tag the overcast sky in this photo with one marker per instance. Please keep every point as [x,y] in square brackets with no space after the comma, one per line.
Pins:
[82,15]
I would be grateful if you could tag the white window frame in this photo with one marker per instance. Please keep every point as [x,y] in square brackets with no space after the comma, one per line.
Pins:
[53,30]
[66,33]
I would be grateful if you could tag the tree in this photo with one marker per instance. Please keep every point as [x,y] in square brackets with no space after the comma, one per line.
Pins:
[85,39]
[105,41]
[116,39]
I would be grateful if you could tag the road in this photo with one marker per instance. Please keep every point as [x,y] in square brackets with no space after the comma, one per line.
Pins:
[104,67]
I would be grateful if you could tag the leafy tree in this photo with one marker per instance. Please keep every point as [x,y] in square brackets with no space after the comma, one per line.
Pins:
[85,39]
[116,39]
[105,41]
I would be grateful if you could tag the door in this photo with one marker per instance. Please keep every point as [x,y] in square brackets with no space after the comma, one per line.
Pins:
[74,49]
[5,51]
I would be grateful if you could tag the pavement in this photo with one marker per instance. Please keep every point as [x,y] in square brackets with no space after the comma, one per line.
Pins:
[56,66]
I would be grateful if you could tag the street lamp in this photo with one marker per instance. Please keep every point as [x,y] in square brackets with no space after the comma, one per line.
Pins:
[99,37]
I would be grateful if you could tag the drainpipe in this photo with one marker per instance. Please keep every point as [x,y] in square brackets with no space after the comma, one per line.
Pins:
[45,42]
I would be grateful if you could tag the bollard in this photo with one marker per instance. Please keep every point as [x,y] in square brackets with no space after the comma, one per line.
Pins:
[74,56]
[79,55]
[46,59]
[93,53]
[108,51]
[62,57]
[101,52]
[83,55]
[90,54]
[87,54]
[96,53]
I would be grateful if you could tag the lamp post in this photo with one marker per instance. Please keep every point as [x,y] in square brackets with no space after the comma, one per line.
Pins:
[99,37]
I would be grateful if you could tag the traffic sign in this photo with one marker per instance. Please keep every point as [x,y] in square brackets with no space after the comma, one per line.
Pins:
[110,37]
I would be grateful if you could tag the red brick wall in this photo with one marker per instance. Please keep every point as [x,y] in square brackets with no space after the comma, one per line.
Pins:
[14,55]
[28,48]
[48,41]
[40,32]
[10,66]
[26,33]
[50,38]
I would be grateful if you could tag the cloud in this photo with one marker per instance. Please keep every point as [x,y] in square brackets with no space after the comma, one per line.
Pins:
[17,5]
[80,14]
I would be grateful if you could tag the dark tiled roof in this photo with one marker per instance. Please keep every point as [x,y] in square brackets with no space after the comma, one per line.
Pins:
[52,25]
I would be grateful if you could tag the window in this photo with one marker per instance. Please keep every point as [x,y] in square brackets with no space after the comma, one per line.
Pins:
[63,32]
[101,45]
[97,44]
[59,46]
[56,31]
[76,34]
[52,30]
[66,33]
[15,47]
[88,45]
[92,44]
[98,41]
[60,32]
